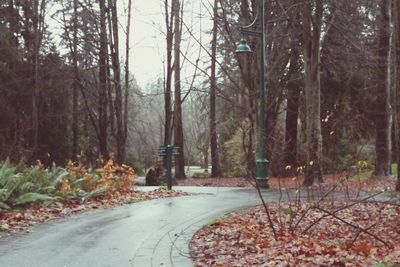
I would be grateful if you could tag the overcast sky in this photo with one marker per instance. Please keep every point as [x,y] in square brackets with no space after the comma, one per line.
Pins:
[148,39]
[147,42]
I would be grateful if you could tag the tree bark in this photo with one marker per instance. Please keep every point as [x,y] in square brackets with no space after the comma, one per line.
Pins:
[382,118]
[110,97]
[215,167]
[126,96]
[292,111]
[312,22]
[75,85]
[396,36]
[118,104]
[168,75]
[178,133]
[35,94]
[103,82]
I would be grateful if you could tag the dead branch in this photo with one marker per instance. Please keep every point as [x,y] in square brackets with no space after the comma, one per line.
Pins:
[355,226]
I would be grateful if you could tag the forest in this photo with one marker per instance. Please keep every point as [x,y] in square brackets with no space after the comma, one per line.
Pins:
[282,118]
[331,86]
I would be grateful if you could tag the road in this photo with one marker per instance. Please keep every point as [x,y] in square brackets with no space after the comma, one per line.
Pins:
[145,234]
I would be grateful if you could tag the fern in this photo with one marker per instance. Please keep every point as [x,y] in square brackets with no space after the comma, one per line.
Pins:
[33,197]
[6,171]
[4,206]
[95,193]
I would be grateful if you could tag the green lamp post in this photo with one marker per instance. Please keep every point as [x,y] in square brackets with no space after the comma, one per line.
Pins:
[243,48]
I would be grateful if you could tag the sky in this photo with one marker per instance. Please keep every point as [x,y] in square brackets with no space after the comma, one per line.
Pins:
[147,41]
[147,38]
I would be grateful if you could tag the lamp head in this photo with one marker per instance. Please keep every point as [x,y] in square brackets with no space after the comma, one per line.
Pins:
[243,47]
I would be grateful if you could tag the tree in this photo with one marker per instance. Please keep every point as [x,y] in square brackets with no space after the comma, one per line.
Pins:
[215,169]
[178,124]
[292,110]
[169,15]
[311,15]
[126,100]
[75,84]
[102,106]
[34,31]
[396,36]
[118,103]
[382,103]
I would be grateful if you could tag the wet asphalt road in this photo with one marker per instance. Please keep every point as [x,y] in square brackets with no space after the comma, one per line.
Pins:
[146,234]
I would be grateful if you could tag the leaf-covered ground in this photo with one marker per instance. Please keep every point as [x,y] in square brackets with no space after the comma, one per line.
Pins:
[245,238]
[354,185]
[23,219]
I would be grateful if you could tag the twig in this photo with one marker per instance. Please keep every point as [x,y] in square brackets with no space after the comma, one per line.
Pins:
[313,206]
[358,234]
[271,224]
[339,209]
[355,226]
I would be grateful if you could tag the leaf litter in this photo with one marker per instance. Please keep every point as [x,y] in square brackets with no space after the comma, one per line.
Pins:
[244,238]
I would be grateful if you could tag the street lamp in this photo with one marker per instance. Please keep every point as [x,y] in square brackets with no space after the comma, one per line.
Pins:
[244,48]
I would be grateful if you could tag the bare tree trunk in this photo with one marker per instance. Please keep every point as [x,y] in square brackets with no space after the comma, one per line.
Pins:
[382,119]
[38,25]
[117,83]
[110,97]
[75,84]
[215,169]
[178,133]
[126,96]
[168,69]
[103,82]
[35,95]
[312,12]
[292,111]
[396,36]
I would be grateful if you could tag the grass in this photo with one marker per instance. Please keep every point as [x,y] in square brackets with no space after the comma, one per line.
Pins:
[362,175]
[394,169]
[201,175]
[368,174]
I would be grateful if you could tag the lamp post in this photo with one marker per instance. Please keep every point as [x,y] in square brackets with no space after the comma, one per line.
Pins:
[243,47]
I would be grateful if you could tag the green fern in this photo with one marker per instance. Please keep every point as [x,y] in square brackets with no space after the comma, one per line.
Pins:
[95,193]
[33,197]
[4,206]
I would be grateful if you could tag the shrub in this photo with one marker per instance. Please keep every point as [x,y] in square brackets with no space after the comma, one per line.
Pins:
[20,185]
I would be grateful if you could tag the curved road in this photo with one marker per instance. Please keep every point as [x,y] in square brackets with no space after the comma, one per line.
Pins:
[145,234]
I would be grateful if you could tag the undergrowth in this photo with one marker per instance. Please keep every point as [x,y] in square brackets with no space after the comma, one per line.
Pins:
[21,184]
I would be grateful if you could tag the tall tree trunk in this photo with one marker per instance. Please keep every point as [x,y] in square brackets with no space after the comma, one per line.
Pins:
[110,97]
[382,118]
[178,133]
[103,82]
[396,36]
[126,96]
[37,17]
[312,12]
[75,84]
[118,104]
[35,94]
[168,73]
[292,111]
[215,167]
